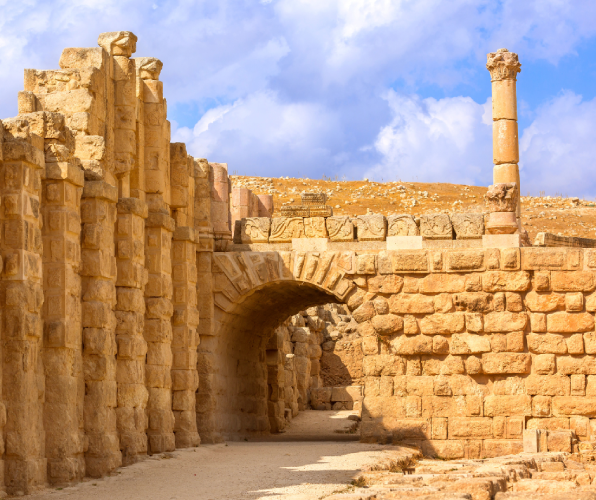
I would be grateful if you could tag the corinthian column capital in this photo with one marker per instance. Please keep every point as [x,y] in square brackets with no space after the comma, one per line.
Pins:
[503,65]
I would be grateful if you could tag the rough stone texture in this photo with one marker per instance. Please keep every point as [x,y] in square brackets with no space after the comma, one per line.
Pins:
[402,225]
[468,226]
[436,227]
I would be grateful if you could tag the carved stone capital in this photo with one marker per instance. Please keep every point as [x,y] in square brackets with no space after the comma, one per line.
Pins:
[118,43]
[502,197]
[148,68]
[503,65]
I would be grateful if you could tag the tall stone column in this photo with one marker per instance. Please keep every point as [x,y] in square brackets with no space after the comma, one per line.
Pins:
[504,67]
[98,218]
[21,164]
[158,331]
[62,345]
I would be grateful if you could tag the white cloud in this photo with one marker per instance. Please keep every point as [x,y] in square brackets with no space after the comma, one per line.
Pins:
[430,140]
[558,150]
[261,135]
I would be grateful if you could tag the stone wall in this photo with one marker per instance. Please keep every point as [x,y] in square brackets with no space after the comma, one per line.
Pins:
[462,349]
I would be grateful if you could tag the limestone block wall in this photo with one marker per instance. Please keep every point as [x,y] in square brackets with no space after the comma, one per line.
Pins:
[462,349]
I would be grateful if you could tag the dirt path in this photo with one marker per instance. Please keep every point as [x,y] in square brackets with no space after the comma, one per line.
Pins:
[268,470]
[264,470]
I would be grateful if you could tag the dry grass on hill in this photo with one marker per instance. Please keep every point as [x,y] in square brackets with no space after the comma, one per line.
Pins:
[567,216]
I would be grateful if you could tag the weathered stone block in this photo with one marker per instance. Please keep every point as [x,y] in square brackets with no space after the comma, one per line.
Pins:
[468,225]
[402,225]
[255,230]
[314,227]
[564,322]
[340,228]
[508,406]
[283,229]
[371,227]
[436,227]
[506,363]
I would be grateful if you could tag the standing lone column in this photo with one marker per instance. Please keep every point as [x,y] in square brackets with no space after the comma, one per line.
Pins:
[504,67]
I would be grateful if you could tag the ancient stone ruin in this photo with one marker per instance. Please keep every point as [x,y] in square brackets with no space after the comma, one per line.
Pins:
[135,322]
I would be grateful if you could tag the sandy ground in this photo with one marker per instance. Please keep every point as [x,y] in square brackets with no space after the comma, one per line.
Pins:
[239,470]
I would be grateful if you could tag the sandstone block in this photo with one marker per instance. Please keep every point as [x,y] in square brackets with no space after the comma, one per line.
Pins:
[283,229]
[574,405]
[505,281]
[547,343]
[314,227]
[385,284]
[495,406]
[411,304]
[340,228]
[569,365]
[465,343]
[493,363]
[501,322]
[541,406]
[436,227]
[442,283]
[574,302]
[364,313]
[548,385]
[418,344]
[559,441]
[575,343]
[411,429]
[465,260]
[471,428]
[442,323]
[544,364]
[538,322]
[564,322]
[468,225]
[387,324]
[573,281]
[371,227]
[255,230]
[402,225]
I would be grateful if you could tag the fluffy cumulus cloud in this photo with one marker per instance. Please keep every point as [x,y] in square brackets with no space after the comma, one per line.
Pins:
[264,136]
[336,87]
[430,140]
[558,149]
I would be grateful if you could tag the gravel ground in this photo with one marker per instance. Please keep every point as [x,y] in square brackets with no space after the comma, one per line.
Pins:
[252,470]
[236,470]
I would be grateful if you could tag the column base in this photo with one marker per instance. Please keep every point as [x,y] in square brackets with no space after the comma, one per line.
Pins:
[187,439]
[501,240]
[160,443]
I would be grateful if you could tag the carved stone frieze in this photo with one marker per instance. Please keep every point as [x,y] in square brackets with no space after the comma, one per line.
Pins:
[255,230]
[283,229]
[436,227]
[371,227]
[402,225]
[314,227]
[340,228]
[468,226]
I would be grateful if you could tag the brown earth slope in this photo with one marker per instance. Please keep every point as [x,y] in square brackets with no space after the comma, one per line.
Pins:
[566,216]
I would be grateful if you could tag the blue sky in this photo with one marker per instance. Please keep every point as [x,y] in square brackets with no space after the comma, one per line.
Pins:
[385,89]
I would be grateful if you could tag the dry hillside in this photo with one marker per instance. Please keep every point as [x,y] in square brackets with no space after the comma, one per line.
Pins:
[567,216]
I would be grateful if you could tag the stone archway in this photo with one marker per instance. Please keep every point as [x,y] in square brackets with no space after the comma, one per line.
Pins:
[254,293]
